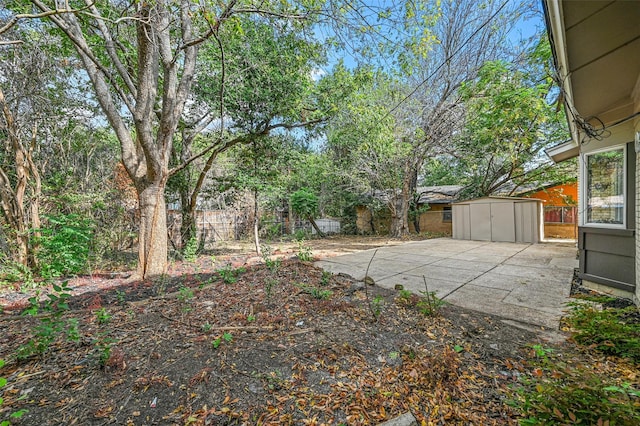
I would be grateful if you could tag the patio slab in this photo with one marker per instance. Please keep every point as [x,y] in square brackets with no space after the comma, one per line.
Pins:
[526,284]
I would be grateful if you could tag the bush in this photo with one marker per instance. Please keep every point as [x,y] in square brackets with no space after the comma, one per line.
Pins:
[64,245]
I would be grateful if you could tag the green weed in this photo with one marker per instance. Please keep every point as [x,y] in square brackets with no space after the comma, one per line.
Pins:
[16,414]
[429,304]
[559,392]
[376,306]
[610,331]
[304,252]
[51,324]
[102,316]
[190,251]
[326,278]
[226,337]
[230,275]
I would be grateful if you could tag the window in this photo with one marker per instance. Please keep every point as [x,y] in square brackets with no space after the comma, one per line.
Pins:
[560,214]
[446,214]
[605,181]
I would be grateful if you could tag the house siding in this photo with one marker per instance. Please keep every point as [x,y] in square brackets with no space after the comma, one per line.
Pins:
[636,96]
[430,221]
[608,256]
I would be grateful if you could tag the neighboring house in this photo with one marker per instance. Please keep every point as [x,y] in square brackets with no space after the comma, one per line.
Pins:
[596,47]
[434,204]
[560,204]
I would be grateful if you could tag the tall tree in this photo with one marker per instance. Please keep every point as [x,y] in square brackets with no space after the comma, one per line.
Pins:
[415,113]
[510,118]
[141,59]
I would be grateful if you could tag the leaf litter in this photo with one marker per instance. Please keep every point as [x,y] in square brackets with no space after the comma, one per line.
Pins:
[193,349]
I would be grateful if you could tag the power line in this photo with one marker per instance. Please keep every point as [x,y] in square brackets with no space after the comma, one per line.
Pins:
[446,60]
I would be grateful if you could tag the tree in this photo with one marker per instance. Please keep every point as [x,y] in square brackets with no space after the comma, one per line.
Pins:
[305,204]
[141,59]
[34,108]
[510,119]
[412,112]
[259,81]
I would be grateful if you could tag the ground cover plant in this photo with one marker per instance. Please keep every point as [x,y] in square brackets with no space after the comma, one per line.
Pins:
[595,382]
[292,344]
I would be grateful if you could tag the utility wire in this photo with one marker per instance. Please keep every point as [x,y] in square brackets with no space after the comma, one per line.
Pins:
[446,60]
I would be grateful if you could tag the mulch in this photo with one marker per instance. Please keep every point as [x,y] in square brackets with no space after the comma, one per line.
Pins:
[256,345]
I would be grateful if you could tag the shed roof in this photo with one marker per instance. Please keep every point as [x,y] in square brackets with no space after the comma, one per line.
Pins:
[497,199]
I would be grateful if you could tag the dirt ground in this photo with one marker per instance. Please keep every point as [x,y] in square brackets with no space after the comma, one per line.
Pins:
[231,340]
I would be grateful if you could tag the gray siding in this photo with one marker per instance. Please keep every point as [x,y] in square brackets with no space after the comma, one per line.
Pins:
[607,256]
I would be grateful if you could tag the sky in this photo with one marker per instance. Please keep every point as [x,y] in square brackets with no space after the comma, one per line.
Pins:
[528,25]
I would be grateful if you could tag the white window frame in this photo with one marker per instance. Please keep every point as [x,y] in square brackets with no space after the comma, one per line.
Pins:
[584,190]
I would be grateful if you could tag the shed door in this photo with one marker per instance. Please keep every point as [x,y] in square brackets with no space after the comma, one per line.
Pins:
[527,223]
[503,227]
[461,222]
[480,215]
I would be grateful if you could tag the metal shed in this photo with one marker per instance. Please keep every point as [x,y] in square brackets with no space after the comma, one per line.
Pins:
[507,219]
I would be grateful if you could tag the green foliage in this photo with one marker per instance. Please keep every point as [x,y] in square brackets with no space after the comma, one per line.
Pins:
[16,414]
[272,264]
[561,392]
[610,331]
[13,272]
[511,119]
[185,294]
[230,275]
[102,316]
[557,393]
[326,278]
[429,304]
[315,292]
[405,295]
[304,252]
[304,203]
[51,324]
[190,251]
[376,306]
[226,337]
[103,346]
[64,245]
[268,287]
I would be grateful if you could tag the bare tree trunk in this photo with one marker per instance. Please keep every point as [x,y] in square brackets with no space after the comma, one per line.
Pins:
[152,252]
[316,227]
[13,192]
[256,222]
[188,228]
[400,210]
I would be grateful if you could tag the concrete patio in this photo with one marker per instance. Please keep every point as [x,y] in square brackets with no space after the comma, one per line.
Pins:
[526,284]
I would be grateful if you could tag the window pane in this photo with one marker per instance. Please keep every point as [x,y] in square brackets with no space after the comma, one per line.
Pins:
[446,214]
[605,187]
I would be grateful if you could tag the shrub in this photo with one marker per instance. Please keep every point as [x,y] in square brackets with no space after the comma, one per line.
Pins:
[64,245]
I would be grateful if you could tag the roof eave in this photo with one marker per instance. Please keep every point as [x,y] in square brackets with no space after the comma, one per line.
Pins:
[555,29]
[564,151]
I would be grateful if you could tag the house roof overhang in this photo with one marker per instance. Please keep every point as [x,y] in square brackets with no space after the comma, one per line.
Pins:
[563,151]
[596,47]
